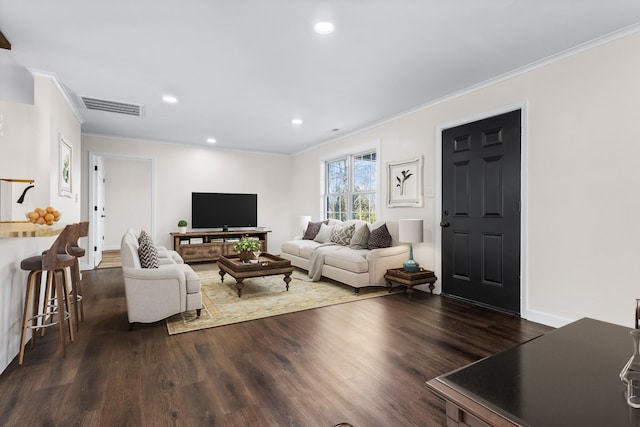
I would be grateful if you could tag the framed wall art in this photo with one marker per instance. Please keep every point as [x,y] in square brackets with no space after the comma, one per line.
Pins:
[65,167]
[404,183]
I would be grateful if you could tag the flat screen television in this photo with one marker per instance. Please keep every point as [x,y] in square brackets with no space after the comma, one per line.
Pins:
[219,210]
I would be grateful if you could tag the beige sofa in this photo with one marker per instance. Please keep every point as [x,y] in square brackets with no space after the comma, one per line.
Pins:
[156,293]
[354,267]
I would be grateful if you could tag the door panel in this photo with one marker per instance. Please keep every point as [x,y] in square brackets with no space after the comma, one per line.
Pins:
[481,211]
[99,210]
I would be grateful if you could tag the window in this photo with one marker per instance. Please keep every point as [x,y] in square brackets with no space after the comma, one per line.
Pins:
[351,187]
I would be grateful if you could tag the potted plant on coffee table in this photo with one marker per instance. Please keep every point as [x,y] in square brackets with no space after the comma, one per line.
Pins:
[246,247]
[182,226]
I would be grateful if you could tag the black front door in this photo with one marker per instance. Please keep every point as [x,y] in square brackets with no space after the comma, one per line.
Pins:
[481,212]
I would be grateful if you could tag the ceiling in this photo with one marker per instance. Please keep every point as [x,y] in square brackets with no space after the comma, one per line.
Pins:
[243,69]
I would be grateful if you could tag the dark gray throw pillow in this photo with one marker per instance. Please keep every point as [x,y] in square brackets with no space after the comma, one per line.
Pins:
[379,238]
[312,229]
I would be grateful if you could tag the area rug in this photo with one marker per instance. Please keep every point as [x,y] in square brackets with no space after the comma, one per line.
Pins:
[263,297]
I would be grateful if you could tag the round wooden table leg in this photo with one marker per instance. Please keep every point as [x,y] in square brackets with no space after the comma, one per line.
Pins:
[388,286]
[221,272]
[287,279]
[239,286]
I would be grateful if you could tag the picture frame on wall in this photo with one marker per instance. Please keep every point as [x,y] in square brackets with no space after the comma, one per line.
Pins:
[65,167]
[404,188]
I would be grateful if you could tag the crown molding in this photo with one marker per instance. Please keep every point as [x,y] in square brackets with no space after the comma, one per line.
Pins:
[61,89]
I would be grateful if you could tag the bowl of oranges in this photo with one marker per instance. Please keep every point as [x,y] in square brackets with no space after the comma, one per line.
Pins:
[43,216]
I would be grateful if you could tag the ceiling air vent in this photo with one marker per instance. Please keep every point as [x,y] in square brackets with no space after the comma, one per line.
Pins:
[112,106]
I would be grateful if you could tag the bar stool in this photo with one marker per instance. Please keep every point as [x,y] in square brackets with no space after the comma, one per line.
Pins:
[76,282]
[75,294]
[54,264]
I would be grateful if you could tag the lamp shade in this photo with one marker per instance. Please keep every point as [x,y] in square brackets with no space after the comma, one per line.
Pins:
[410,230]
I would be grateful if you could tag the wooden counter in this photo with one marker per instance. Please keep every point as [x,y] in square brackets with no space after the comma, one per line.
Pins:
[10,230]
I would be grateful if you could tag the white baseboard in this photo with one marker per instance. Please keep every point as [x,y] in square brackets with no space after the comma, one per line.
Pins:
[546,318]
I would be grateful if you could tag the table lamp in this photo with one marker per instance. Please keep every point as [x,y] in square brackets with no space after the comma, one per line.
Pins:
[410,231]
[304,220]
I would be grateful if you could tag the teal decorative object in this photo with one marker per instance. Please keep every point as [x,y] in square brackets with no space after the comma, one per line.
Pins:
[411,265]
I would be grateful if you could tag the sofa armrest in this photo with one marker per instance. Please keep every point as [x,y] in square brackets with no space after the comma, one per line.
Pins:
[153,273]
[380,260]
[154,293]
[387,252]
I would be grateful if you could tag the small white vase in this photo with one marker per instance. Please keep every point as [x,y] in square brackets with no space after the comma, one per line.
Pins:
[182,229]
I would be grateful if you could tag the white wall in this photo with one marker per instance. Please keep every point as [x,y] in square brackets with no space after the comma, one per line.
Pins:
[581,167]
[128,200]
[180,170]
[29,149]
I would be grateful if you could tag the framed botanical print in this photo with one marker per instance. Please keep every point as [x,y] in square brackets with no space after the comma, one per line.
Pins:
[404,183]
[65,167]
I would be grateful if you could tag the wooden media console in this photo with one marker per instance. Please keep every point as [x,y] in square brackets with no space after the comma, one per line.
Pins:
[198,246]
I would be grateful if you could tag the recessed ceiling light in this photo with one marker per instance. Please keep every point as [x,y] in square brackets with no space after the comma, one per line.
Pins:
[169,99]
[324,27]
[211,140]
[296,121]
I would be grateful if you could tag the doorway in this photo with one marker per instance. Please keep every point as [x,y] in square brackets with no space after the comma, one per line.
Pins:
[480,225]
[122,195]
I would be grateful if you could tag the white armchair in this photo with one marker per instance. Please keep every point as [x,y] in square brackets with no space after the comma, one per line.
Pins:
[156,293]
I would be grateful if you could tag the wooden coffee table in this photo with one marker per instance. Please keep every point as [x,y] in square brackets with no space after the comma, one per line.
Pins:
[267,265]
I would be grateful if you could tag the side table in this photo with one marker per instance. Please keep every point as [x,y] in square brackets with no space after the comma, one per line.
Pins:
[410,280]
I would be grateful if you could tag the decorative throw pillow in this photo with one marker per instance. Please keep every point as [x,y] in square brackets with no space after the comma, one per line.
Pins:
[324,235]
[148,254]
[312,229]
[379,238]
[360,239]
[143,236]
[342,235]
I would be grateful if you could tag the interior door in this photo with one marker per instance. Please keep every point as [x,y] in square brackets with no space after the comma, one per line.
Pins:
[481,211]
[99,210]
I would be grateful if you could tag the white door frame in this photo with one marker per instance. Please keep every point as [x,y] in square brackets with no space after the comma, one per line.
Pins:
[524,196]
[93,183]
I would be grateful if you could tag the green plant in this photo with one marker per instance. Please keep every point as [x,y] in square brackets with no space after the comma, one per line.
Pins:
[405,176]
[247,244]
[182,223]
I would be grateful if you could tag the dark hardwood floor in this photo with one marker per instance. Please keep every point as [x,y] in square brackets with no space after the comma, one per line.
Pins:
[365,363]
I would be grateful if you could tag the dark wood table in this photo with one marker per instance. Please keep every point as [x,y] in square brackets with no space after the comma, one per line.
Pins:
[567,377]
[420,277]
[267,265]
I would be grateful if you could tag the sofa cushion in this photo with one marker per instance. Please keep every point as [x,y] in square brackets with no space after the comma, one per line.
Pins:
[348,259]
[379,238]
[312,229]
[299,247]
[342,234]
[148,254]
[324,235]
[360,238]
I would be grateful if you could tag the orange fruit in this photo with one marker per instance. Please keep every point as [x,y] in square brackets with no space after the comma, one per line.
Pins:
[50,209]
[40,221]
[48,217]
